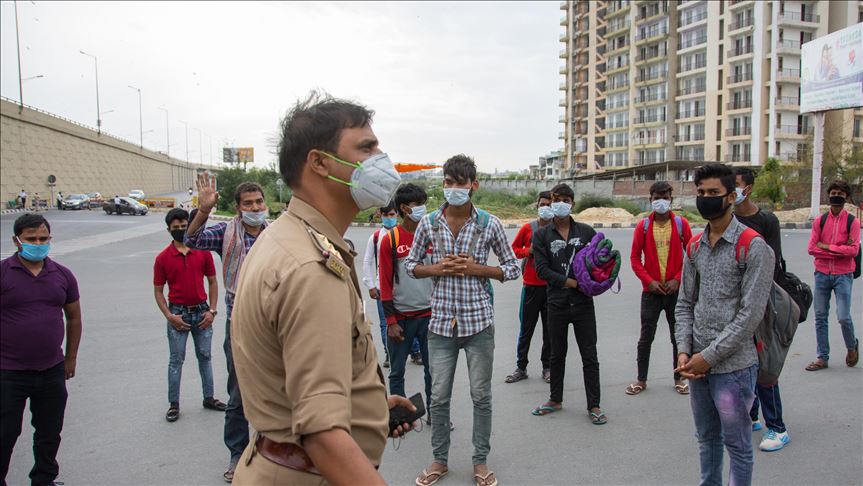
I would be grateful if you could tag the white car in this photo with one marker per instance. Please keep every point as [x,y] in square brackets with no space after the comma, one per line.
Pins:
[136,194]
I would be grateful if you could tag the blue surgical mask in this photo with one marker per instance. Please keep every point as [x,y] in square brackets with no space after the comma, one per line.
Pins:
[417,212]
[389,223]
[740,196]
[456,196]
[561,209]
[34,253]
[254,218]
[546,213]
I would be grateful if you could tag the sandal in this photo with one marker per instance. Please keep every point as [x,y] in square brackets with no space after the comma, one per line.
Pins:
[229,474]
[634,389]
[173,414]
[598,418]
[517,375]
[544,409]
[681,388]
[428,478]
[483,480]
[818,364]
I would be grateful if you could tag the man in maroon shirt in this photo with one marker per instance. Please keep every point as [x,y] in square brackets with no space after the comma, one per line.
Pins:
[186,309]
[35,294]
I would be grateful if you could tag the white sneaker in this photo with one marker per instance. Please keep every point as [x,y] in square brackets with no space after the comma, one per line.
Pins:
[773,441]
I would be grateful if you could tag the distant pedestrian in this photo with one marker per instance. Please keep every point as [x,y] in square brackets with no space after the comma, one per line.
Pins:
[534,298]
[835,242]
[389,219]
[60,201]
[555,247]
[462,238]
[187,309]
[117,204]
[36,293]
[767,397]
[717,313]
[37,202]
[658,247]
[232,240]
[22,196]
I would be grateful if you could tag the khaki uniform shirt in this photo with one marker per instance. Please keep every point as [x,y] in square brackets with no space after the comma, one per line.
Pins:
[301,342]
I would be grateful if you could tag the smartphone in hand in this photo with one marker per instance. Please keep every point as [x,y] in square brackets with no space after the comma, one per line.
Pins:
[400,415]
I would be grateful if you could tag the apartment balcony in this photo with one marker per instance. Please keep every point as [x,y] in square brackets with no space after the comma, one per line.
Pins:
[691,137]
[611,13]
[650,56]
[563,53]
[793,157]
[562,102]
[738,157]
[561,119]
[744,104]
[741,24]
[648,142]
[739,78]
[787,103]
[652,98]
[690,66]
[617,144]
[563,20]
[743,131]
[687,114]
[797,19]
[612,89]
[619,125]
[735,4]
[613,107]
[788,75]
[561,135]
[691,90]
[649,120]
[651,14]
[616,49]
[745,51]
[563,37]
[563,5]
[691,20]
[797,132]
[614,68]
[651,35]
[615,28]
[788,47]
[652,76]
[562,70]
[687,153]
[562,87]
[689,43]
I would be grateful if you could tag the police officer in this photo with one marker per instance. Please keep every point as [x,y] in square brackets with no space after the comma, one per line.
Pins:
[302,344]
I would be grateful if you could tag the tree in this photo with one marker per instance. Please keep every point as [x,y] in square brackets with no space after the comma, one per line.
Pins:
[769,183]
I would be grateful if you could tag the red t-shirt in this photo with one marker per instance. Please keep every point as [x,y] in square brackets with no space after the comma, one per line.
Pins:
[521,246]
[184,274]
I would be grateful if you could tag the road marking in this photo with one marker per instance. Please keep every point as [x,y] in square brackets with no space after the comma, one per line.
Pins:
[65,247]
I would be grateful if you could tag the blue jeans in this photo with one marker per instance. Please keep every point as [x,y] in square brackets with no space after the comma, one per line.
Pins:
[413,329]
[841,286]
[720,406]
[443,353]
[236,434]
[771,405]
[415,348]
[177,345]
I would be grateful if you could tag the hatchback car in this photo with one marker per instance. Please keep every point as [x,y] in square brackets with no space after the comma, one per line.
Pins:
[136,194]
[127,206]
[75,201]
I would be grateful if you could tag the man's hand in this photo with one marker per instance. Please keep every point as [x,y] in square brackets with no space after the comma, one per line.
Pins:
[471,266]
[823,246]
[693,368]
[571,283]
[530,250]
[375,294]
[397,400]
[207,194]
[207,321]
[453,266]
[671,287]
[656,288]
[395,332]
[178,323]
[69,363]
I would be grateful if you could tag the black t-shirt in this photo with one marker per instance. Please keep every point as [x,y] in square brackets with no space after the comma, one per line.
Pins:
[767,225]
[553,256]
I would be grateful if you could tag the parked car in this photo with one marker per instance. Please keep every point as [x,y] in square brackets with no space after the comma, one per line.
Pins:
[127,206]
[75,201]
[95,199]
[136,194]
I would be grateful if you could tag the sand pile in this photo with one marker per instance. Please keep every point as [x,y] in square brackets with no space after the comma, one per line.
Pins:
[605,215]
[801,215]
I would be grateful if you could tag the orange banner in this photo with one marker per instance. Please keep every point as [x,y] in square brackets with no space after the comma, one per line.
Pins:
[405,167]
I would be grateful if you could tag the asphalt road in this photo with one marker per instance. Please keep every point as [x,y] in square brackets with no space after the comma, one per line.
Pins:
[115,432]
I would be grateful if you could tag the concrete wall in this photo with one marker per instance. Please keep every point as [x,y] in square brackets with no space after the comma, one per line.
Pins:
[35,144]
[522,187]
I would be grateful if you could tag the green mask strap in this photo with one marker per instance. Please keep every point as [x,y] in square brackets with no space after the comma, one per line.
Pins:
[355,166]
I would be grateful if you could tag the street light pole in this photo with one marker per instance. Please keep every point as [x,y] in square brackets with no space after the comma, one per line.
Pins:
[18,46]
[140,115]
[98,110]
[187,139]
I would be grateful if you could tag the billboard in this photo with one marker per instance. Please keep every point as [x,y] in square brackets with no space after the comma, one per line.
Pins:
[832,71]
[234,155]
[229,155]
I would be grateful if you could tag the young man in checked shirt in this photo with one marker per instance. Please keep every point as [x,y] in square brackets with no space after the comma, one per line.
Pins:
[462,310]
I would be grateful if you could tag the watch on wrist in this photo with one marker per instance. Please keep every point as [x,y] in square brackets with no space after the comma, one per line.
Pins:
[212,311]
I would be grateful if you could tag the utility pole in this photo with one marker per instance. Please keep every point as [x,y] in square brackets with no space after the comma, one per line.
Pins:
[98,110]
[18,45]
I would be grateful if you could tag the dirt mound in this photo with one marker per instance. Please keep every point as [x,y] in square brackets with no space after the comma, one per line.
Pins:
[801,215]
[605,215]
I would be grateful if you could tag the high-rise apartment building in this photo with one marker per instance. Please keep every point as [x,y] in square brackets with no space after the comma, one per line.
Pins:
[660,80]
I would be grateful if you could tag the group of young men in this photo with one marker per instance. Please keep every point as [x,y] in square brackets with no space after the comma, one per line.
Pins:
[301,349]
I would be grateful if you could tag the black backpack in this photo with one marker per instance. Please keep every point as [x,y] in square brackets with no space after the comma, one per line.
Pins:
[799,292]
[857,263]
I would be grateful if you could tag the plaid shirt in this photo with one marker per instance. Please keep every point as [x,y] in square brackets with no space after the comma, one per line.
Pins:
[211,238]
[461,302]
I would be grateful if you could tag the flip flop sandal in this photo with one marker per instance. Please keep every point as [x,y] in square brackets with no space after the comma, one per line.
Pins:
[634,389]
[598,418]
[682,388]
[544,410]
[483,480]
[816,365]
[424,478]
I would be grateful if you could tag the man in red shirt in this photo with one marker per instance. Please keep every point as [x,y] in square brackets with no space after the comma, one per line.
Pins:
[186,309]
[661,238]
[533,294]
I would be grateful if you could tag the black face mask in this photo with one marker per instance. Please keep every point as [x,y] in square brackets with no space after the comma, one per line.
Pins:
[178,235]
[711,207]
[837,201]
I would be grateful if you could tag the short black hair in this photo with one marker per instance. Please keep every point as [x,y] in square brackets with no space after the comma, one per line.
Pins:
[563,189]
[660,187]
[409,193]
[745,173]
[246,187]
[389,207]
[176,213]
[461,168]
[315,123]
[30,221]
[716,171]
[544,195]
[840,185]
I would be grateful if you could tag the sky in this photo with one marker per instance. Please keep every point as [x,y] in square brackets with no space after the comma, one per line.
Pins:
[444,78]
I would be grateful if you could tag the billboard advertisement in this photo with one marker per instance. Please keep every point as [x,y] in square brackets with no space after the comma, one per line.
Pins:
[234,155]
[831,75]
[246,154]
[229,155]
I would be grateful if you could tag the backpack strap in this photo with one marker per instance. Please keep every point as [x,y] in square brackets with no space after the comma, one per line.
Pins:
[377,233]
[692,247]
[394,244]
[437,241]
[678,221]
[741,249]
[482,219]
[849,223]
[822,220]
[644,224]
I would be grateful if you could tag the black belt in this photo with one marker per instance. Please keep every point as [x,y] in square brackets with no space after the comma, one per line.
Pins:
[191,308]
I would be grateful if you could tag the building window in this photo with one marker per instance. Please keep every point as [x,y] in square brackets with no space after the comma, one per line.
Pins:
[856,127]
